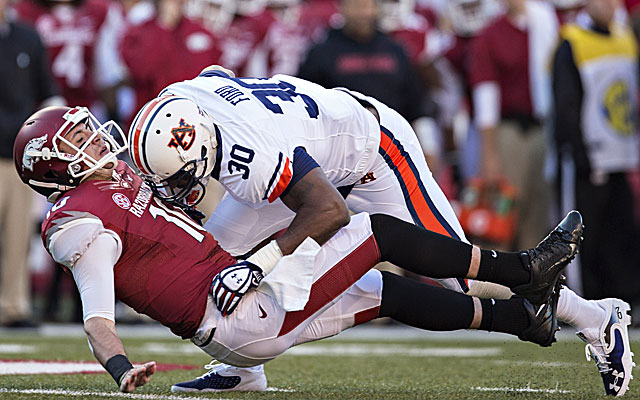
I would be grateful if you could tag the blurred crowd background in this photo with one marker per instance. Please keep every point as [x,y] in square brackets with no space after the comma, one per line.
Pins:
[524,108]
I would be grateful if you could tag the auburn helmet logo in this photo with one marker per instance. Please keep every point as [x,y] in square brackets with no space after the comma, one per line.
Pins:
[183,136]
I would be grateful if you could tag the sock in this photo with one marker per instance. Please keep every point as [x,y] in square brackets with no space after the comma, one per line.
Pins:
[578,312]
[418,250]
[433,255]
[424,306]
[508,269]
[507,316]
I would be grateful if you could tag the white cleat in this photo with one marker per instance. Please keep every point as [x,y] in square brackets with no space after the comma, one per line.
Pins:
[225,378]
[608,345]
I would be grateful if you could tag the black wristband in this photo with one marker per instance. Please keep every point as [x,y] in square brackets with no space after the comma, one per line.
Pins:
[117,366]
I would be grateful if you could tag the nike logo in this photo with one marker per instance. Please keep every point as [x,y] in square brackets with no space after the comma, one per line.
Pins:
[263,313]
[494,254]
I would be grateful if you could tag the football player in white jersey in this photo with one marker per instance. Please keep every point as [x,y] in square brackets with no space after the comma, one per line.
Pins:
[270,137]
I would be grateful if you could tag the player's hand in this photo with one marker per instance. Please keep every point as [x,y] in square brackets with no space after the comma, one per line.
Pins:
[137,376]
[232,283]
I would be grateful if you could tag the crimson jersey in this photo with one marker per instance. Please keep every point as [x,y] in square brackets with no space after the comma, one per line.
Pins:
[167,261]
[241,39]
[413,38]
[70,34]
[183,53]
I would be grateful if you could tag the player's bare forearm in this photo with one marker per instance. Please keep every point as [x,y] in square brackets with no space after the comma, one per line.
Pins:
[106,344]
[104,340]
[320,211]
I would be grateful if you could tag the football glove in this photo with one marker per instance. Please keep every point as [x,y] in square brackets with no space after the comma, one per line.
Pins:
[233,282]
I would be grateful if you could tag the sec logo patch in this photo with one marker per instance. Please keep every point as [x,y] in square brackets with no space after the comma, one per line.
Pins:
[121,201]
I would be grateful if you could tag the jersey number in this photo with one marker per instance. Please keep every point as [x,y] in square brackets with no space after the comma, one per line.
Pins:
[69,64]
[279,90]
[177,218]
[241,157]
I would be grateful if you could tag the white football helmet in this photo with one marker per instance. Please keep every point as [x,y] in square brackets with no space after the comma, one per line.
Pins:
[216,15]
[173,144]
[468,17]
[250,8]
[394,14]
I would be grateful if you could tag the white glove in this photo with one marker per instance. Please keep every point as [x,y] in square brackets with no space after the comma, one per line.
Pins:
[230,284]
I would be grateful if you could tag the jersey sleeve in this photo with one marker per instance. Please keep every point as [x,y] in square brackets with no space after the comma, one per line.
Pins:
[256,174]
[68,237]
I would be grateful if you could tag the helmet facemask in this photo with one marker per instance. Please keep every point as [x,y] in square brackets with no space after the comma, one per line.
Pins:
[185,188]
[81,159]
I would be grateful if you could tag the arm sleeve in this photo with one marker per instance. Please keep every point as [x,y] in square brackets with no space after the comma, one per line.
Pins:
[302,164]
[486,104]
[91,252]
[567,98]
[93,273]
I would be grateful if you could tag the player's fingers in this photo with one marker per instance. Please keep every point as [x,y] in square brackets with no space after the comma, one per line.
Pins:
[127,385]
[150,368]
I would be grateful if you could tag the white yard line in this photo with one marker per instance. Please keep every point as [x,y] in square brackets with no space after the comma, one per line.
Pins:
[14,348]
[526,389]
[78,393]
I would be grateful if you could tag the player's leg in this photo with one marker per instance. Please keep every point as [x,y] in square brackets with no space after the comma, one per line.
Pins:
[432,308]
[531,273]
[401,184]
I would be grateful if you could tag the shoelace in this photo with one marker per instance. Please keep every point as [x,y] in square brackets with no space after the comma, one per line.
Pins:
[597,354]
[212,367]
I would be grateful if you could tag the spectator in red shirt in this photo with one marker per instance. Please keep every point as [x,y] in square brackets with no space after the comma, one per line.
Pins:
[166,49]
[511,89]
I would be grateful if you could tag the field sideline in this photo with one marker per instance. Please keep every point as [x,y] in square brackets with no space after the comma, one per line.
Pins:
[368,362]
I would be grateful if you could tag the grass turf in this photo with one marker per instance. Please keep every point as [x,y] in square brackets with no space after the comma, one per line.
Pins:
[407,372]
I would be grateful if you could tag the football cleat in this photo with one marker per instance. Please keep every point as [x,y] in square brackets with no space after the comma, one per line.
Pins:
[225,378]
[543,323]
[608,345]
[547,260]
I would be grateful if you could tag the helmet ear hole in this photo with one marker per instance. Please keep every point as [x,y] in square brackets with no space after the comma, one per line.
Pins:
[51,175]
[203,152]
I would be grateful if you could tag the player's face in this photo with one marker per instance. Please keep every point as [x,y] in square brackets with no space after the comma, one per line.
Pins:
[78,136]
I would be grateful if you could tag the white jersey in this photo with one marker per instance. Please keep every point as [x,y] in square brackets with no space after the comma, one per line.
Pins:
[261,122]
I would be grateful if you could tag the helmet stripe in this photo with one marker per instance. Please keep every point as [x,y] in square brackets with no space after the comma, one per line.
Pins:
[137,127]
[146,130]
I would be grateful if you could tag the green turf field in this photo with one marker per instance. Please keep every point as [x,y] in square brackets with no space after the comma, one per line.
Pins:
[334,369]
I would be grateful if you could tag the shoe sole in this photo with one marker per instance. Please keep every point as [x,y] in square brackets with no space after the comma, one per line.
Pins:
[246,387]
